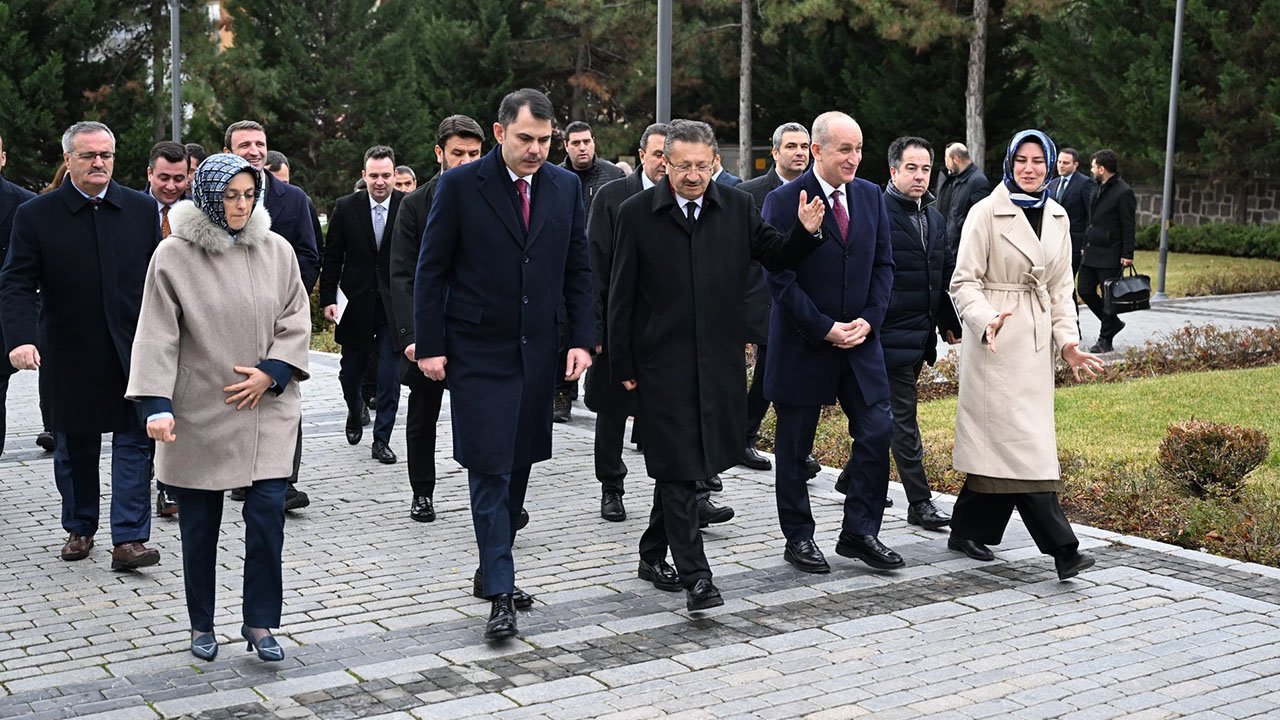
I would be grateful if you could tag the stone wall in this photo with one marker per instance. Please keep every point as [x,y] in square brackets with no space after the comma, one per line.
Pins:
[1200,202]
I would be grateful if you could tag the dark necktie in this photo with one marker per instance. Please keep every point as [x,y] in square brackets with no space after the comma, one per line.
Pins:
[842,216]
[690,211]
[95,202]
[522,187]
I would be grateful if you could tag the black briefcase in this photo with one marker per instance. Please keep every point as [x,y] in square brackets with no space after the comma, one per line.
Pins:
[1126,293]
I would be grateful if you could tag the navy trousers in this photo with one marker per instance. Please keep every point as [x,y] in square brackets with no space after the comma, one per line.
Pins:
[75,470]
[200,521]
[355,359]
[496,501]
[871,426]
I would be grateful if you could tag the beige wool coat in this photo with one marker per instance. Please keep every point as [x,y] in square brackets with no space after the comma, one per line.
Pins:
[211,304]
[1004,419]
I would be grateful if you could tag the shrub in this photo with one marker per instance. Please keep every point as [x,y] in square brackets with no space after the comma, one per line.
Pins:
[1206,459]
[1235,282]
[1255,241]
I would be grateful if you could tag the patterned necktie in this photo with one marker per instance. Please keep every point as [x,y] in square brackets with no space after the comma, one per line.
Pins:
[522,187]
[690,211]
[1062,187]
[842,216]
[164,222]
[95,202]
[379,224]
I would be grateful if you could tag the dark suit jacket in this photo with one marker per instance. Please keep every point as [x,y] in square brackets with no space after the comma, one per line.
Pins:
[758,303]
[291,213]
[11,196]
[1112,219]
[602,390]
[88,266]
[728,178]
[1075,200]
[490,296]
[353,261]
[836,283]
[406,246]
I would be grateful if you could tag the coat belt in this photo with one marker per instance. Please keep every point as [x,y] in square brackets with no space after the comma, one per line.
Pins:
[1032,282]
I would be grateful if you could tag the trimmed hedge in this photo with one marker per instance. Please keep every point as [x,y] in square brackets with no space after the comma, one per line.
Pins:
[1253,241]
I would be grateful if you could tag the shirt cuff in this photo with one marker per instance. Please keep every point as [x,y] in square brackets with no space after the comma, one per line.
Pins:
[159,416]
[280,372]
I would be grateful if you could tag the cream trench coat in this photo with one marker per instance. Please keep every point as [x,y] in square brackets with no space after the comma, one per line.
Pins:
[208,305]
[1004,419]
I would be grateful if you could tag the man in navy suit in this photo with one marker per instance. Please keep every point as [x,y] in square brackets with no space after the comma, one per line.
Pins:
[83,251]
[720,175]
[824,346]
[503,265]
[1073,190]
[11,196]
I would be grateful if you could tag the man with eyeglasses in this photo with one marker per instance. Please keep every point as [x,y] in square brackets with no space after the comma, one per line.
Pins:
[675,330]
[83,249]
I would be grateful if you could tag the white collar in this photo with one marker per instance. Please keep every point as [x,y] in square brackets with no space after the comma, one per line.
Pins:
[645,182]
[717,174]
[385,204]
[683,202]
[828,188]
[101,196]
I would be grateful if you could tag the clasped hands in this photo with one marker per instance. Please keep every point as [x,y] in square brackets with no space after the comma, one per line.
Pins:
[848,334]
[247,392]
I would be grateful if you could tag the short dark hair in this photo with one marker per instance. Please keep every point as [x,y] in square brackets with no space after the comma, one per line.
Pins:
[690,131]
[1107,159]
[458,125]
[576,126]
[235,127]
[406,170]
[539,105]
[657,128]
[899,146]
[275,160]
[1074,153]
[169,150]
[380,152]
[196,151]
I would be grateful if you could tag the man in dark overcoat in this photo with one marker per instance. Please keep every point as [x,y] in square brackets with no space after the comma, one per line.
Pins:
[83,249]
[11,196]
[1109,242]
[824,346]
[504,263]
[675,335]
[1073,190]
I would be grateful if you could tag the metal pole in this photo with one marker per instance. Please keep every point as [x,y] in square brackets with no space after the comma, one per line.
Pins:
[175,55]
[664,61]
[1166,204]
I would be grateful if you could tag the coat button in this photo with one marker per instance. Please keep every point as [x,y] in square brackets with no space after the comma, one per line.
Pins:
[524,340]
[526,259]
[525,299]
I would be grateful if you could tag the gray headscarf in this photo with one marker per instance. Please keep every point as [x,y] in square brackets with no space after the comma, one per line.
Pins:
[211,180]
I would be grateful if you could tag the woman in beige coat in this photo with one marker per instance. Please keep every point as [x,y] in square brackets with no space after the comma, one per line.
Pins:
[1012,290]
[222,339]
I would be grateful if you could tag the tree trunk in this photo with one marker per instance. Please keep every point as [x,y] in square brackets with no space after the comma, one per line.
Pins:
[578,104]
[975,131]
[744,95]
[159,44]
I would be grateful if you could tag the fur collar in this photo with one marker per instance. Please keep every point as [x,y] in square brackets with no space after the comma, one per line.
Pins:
[190,224]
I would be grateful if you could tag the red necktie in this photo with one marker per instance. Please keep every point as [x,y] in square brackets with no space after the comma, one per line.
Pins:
[522,187]
[842,216]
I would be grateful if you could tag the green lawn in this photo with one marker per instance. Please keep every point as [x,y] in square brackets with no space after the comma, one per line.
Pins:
[1126,421]
[1188,274]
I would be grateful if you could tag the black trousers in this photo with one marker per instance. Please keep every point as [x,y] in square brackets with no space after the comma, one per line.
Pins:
[425,397]
[673,524]
[611,426]
[1089,285]
[199,522]
[983,517]
[908,453]
[4,394]
[757,404]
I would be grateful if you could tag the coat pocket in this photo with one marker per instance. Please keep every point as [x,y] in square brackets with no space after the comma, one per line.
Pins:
[465,311]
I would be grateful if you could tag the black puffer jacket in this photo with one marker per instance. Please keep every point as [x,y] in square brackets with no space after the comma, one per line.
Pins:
[956,194]
[601,173]
[923,262]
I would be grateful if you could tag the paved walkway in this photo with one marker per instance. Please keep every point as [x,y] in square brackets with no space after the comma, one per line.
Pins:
[378,620]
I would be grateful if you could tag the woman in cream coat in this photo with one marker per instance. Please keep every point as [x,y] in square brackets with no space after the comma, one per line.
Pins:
[1012,290]
[222,339]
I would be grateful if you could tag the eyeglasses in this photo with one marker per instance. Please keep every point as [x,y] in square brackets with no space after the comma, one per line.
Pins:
[700,168]
[234,197]
[89,156]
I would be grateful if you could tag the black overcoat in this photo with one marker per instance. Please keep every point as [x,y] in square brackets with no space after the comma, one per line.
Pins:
[489,296]
[1112,233]
[602,391]
[675,322]
[758,303]
[11,196]
[89,266]
[353,260]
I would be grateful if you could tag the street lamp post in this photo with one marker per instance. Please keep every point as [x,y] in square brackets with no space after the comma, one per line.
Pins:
[1166,205]
[175,56]
[664,61]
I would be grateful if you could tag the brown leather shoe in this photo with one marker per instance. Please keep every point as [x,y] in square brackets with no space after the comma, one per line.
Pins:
[77,547]
[133,555]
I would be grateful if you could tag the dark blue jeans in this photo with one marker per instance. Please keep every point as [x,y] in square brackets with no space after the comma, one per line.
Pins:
[75,470]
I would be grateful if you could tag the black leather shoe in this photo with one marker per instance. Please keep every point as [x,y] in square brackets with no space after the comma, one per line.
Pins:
[752,458]
[869,550]
[810,467]
[364,417]
[422,509]
[563,408]
[806,556]
[1102,346]
[927,515]
[975,550]
[702,595]
[524,519]
[355,430]
[382,453]
[502,619]
[888,502]
[45,441]
[166,506]
[238,494]
[611,507]
[842,483]
[714,484]
[710,514]
[1071,566]
[519,598]
[295,499]
[661,574]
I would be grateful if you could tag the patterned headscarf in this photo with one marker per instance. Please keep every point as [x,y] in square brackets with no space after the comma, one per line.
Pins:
[1020,197]
[211,180]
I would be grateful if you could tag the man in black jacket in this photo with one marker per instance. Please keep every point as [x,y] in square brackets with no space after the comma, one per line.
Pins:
[923,263]
[961,186]
[1108,242]
[1073,190]
[11,196]
[459,140]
